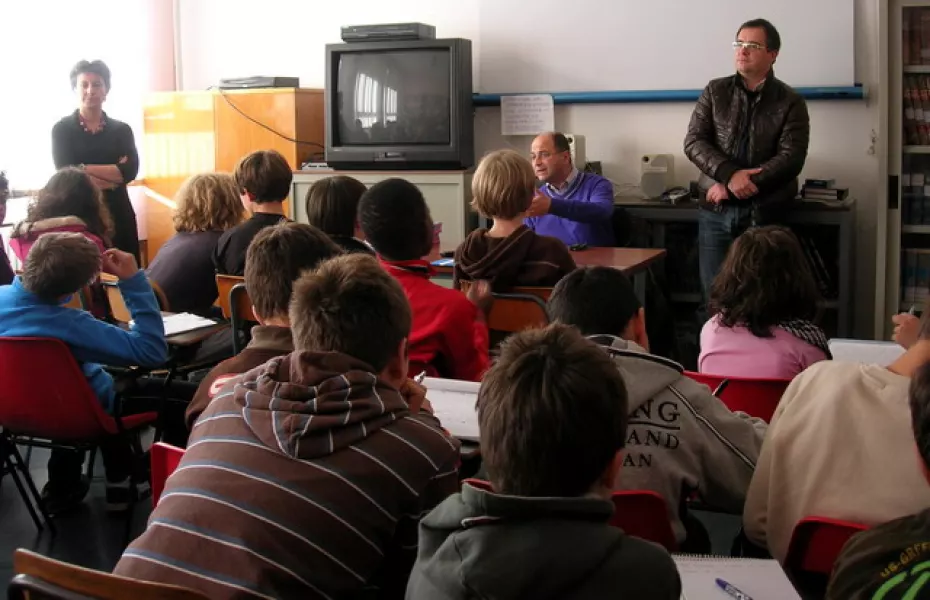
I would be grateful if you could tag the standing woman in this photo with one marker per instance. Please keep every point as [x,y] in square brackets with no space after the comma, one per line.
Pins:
[103,147]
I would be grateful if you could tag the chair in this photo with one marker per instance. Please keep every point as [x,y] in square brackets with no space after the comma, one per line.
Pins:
[39,578]
[118,309]
[755,397]
[816,543]
[165,459]
[522,308]
[640,513]
[235,303]
[53,412]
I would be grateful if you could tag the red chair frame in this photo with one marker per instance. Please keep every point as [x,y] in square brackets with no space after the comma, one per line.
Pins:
[755,397]
[165,459]
[816,543]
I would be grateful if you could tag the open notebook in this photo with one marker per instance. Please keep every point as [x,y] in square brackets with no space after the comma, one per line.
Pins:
[759,579]
[865,351]
[184,322]
[454,405]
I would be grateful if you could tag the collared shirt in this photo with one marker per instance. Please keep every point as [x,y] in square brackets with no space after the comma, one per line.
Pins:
[565,184]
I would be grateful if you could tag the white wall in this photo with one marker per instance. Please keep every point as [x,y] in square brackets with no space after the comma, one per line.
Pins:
[216,43]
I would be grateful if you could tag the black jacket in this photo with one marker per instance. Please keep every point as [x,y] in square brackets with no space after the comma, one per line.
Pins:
[779,133]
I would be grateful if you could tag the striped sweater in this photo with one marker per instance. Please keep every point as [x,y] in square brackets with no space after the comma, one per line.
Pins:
[306,480]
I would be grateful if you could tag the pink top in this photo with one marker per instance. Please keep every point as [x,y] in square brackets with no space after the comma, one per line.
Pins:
[736,352]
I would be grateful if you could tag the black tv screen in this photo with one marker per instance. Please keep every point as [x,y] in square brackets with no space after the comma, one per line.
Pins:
[393,97]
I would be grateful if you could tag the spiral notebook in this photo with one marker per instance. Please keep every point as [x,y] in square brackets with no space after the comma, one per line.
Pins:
[759,579]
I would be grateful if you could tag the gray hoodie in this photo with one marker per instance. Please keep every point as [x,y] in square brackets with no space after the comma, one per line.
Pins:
[680,437]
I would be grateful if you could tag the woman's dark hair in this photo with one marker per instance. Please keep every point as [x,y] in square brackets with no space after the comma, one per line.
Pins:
[97,67]
[71,193]
[332,204]
[765,280]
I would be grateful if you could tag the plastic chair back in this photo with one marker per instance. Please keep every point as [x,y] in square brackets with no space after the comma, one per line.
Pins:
[755,397]
[643,513]
[40,578]
[225,285]
[165,459]
[62,407]
[816,543]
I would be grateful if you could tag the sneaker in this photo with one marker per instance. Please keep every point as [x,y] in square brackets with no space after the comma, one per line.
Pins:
[122,494]
[60,499]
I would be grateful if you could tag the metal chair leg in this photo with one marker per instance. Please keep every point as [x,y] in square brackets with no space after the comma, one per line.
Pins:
[15,461]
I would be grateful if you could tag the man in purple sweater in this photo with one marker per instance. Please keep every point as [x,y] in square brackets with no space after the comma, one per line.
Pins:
[571,205]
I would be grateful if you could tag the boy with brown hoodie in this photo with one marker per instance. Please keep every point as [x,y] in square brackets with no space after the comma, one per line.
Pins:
[509,254]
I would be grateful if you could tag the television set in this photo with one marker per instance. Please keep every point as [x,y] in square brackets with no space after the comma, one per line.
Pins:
[400,105]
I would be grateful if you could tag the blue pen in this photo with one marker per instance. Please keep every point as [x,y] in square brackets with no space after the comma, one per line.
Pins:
[732,590]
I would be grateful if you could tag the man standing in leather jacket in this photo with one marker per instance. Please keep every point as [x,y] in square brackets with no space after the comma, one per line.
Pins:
[748,135]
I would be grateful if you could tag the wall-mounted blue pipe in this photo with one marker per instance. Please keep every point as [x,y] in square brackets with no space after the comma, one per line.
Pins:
[853,92]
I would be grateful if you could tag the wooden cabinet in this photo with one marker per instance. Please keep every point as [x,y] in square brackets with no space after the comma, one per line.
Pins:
[186,133]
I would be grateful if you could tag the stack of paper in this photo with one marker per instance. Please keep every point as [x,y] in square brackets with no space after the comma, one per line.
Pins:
[184,322]
[454,405]
[757,578]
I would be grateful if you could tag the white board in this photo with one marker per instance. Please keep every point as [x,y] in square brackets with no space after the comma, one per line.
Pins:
[591,45]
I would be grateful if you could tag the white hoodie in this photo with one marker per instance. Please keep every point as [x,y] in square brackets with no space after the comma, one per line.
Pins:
[680,437]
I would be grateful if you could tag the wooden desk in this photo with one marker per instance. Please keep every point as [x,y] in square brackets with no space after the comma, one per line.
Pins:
[634,262]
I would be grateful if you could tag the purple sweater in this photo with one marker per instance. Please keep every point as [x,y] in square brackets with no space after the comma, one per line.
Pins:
[580,214]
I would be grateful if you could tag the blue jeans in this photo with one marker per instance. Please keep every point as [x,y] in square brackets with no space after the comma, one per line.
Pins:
[716,231]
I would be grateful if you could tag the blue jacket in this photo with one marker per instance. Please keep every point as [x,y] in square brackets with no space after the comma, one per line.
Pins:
[93,342]
[581,214]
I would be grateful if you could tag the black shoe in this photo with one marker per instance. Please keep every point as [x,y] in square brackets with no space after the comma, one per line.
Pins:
[121,494]
[60,499]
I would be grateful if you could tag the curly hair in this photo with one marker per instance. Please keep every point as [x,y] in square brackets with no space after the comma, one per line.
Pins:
[71,193]
[765,280]
[208,202]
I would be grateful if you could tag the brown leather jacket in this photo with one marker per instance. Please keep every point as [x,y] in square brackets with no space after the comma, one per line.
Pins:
[778,138]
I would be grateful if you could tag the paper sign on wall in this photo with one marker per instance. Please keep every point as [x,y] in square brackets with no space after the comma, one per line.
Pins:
[527,114]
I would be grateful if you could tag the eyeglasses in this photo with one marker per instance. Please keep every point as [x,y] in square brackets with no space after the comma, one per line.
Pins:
[748,45]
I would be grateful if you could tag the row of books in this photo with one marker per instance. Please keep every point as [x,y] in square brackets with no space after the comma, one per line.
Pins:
[916,30]
[915,199]
[917,109]
[915,275]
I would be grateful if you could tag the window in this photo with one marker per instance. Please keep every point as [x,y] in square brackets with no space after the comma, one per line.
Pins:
[374,103]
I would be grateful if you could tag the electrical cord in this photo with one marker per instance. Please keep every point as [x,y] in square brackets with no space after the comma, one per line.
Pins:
[260,124]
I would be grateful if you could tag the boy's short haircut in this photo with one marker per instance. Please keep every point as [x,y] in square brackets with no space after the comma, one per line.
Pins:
[396,221]
[332,204]
[349,304]
[552,413]
[503,185]
[60,264]
[266,175]
[275,259]
[594,300]
[920,411]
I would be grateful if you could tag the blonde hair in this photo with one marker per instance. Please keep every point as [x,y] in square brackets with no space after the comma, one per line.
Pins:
[208,202]
[503,185]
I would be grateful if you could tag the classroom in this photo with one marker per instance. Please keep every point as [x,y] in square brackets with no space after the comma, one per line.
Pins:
[475,299]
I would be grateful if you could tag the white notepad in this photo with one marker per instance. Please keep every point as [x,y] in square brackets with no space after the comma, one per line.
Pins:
[865,351]
[760,579]
[454,405]
[184,322]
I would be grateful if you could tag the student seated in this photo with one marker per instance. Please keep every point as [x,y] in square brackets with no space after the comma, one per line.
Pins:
[307,478]
[58,266]
[763,302]
[553,417]
[450,331]
[681,438]
[275,258]
[839,446]
[332,207]
[207,205]
[264,180]
[509,254]
[6,271]
[892,557]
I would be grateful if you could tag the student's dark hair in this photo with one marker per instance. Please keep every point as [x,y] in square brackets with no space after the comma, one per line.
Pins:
[395,219]
[764,280]
[71,193]
[276,257]
[60,264]
[772,38]
[332,204]
[552,413]
[594,300]
[97,67]
[266,175]
[349,304]
[919,395]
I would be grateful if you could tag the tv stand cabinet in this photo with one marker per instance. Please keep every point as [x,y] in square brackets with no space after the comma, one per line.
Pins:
[447,193]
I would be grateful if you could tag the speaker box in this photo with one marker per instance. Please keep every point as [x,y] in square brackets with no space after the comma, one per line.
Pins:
[656,174]
[576,147]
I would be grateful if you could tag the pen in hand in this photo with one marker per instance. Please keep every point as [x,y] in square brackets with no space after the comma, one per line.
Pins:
[733,591]
[419,378]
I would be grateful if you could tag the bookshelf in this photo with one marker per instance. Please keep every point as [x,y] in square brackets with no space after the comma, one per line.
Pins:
[908,241]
